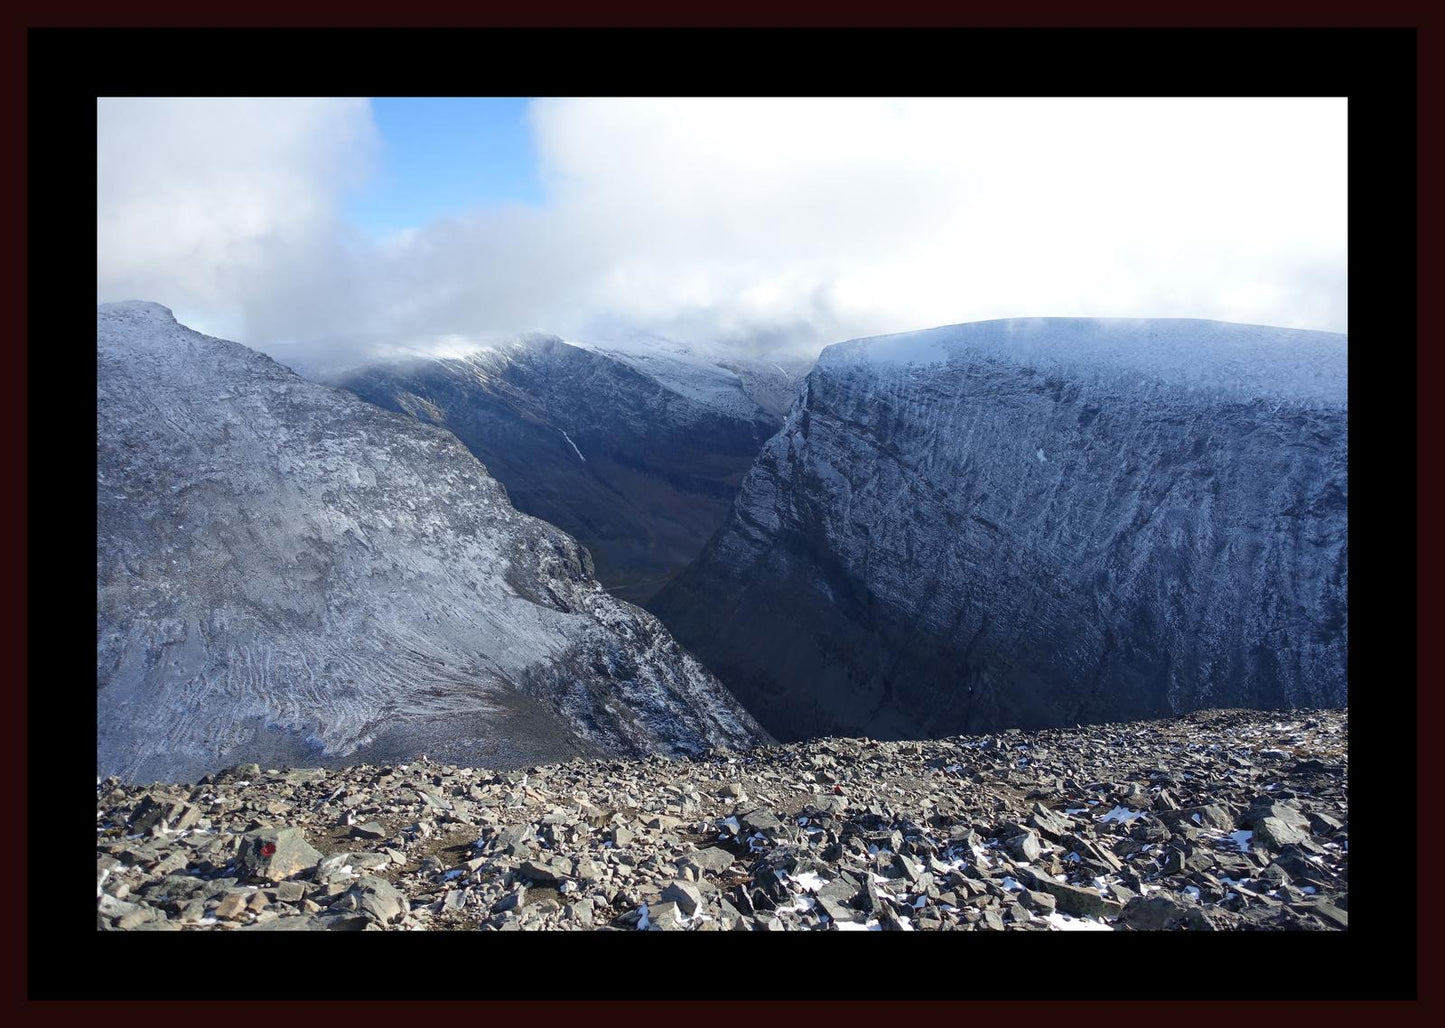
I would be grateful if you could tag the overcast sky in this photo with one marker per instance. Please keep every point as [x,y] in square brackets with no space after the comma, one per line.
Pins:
[761,223]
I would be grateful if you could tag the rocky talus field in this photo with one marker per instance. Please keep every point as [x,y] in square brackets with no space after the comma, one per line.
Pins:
[1218,820]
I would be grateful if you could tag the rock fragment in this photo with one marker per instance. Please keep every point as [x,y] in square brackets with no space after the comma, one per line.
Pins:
[276,853]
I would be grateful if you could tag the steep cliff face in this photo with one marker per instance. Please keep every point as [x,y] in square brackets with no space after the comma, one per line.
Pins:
[637,453]
[1034,523]
[286,574]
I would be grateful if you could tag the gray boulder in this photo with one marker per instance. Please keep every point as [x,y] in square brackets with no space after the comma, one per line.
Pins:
[376,898]
[276,853]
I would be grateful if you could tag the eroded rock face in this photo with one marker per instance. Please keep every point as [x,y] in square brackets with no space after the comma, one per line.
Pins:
[288,575]
[637,455]
[1034,523]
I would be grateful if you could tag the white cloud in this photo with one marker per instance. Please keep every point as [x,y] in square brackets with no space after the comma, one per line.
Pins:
[211,205]
[749,220]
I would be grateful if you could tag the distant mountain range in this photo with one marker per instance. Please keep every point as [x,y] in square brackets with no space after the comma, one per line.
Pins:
[1025,523]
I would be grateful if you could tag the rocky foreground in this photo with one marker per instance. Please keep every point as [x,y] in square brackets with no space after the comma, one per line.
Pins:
[1218,820]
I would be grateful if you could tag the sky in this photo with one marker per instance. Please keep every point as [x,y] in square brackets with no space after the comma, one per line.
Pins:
[444,155]
[329,231]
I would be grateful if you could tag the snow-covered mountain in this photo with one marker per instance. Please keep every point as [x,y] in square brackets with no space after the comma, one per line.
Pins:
[715,374]
[286,574]
[634,448]
[1035,523]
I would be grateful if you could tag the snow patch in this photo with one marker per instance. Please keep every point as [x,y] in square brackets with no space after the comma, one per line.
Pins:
[810,881]
[1194,354]
[574,446]
[1121,814]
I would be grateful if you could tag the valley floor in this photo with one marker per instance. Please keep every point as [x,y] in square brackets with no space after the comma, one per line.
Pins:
[1217,820]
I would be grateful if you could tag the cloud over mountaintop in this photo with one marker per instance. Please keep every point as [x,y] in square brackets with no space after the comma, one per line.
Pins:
[756,222]
[213,202]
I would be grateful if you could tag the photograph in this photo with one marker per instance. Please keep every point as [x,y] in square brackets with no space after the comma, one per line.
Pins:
[722,513]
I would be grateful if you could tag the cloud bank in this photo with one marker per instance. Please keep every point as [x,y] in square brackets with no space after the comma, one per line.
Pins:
[754,223]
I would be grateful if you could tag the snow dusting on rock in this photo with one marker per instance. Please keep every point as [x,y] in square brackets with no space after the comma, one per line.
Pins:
[1037,522]
[287,574]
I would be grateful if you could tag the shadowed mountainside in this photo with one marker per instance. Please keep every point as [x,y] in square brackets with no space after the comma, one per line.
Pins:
[1036,523]
[637,454]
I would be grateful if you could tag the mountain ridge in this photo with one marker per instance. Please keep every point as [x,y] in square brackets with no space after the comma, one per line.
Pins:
[961,532]
[286,571]
[636,454]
